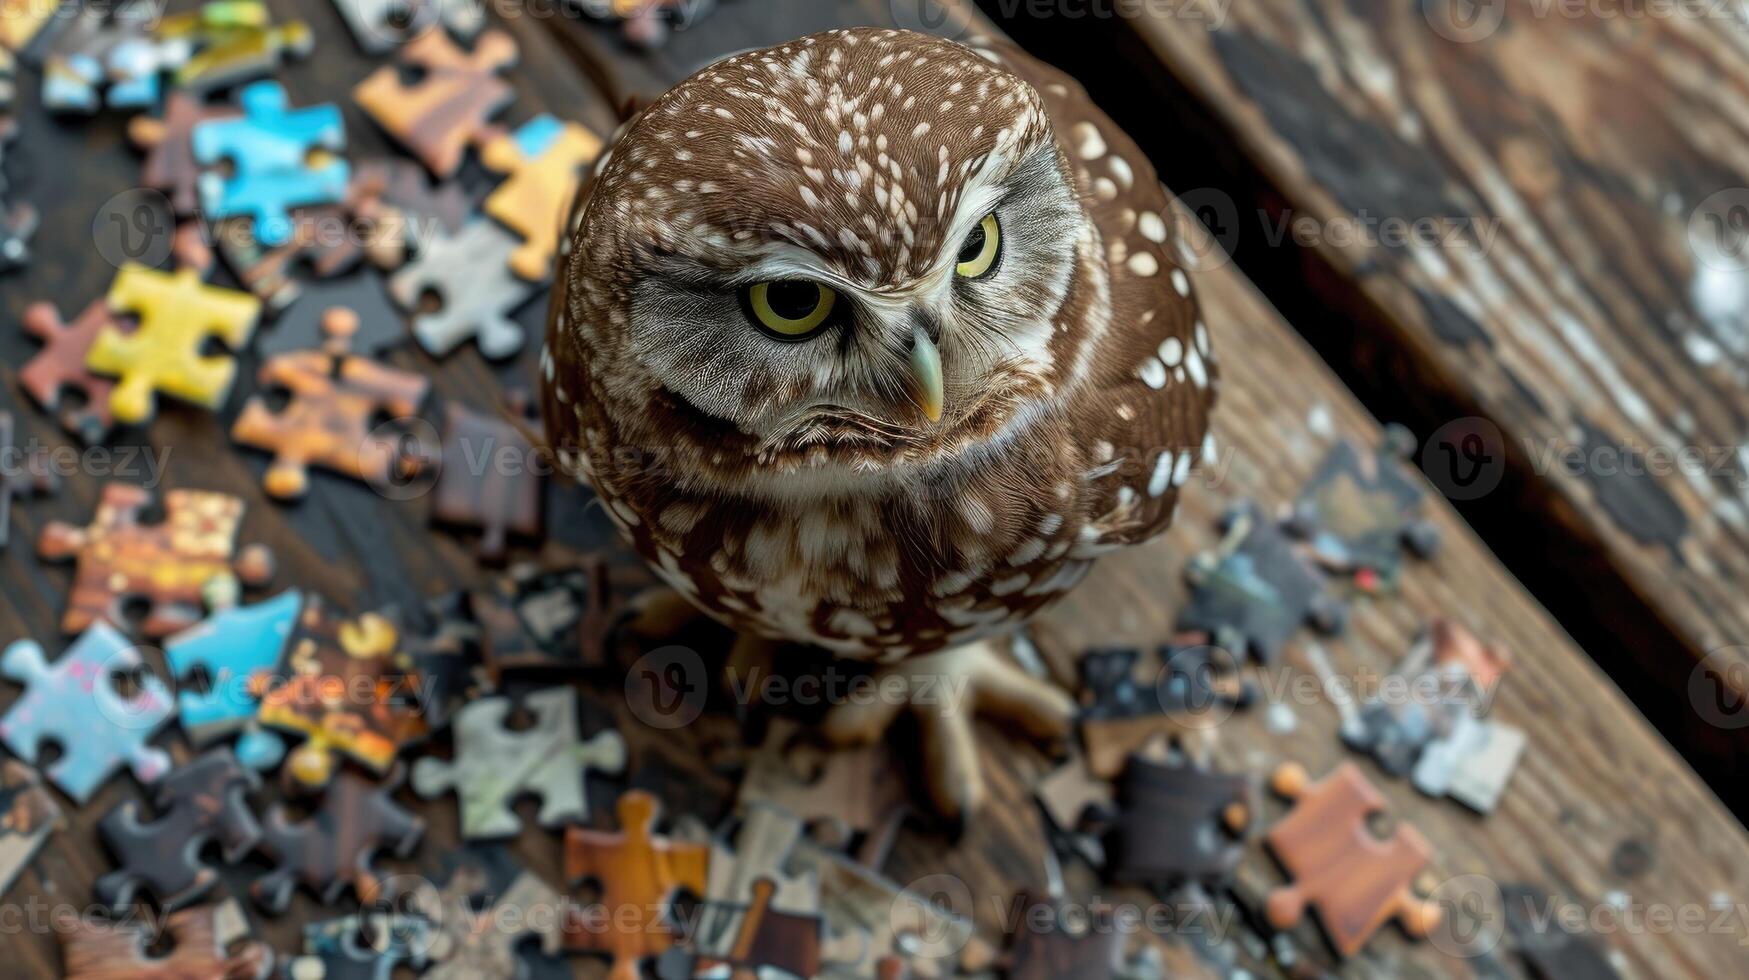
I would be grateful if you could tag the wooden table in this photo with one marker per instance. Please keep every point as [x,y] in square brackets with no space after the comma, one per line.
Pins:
[1601,808]
[1585,293]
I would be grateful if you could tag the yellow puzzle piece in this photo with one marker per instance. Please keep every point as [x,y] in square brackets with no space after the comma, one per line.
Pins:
[177,313]
[543,158]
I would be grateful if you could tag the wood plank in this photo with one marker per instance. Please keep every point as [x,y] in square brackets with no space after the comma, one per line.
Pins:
[1589,308]
[1575,804]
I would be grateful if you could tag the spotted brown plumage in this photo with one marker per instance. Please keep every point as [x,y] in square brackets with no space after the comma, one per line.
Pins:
[805,490]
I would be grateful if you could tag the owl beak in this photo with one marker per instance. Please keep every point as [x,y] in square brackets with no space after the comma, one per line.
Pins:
[926,383]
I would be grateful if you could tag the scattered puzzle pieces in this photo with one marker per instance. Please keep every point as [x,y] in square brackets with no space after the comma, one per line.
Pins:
[757,916]
[59,368]
[333,849]
[76,704]
[1253,592]
[237,649]
[839,795]
[1357,881]
[28,816]
[1176,824]
[639,874]
[488,911]
[871,921]
[468,275]
[271,149]
[495,766]
[438,116]
[24,472]
[211,943]
[107,46]
[347,689]
[170,565]
[330,418]
[543,159]
[491,476]
[1358,512]
[197,803]
[178,314]
[380,26]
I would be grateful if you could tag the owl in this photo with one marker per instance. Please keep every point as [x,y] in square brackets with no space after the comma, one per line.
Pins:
[876,342]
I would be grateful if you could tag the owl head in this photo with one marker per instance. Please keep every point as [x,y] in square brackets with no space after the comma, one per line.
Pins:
[848,254]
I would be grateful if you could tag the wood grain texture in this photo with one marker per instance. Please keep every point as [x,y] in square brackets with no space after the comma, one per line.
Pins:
[1587,304]
[1596,783]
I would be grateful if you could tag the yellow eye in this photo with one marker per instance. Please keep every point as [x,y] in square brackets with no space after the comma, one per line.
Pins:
[982,248]
[791,308]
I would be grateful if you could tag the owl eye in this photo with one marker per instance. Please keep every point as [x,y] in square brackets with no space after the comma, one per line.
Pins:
[982,248]
[791,309]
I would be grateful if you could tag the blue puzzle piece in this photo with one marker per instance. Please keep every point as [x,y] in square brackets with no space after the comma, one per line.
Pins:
[269,148]
[233,646]
[74,703]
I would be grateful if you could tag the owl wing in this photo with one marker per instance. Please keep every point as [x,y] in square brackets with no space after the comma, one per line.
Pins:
[1141,412]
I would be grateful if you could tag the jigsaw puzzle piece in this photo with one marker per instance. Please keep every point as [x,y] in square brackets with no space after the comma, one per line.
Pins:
[381,325]
[871,920]
[238,649]
[270,148]
[178,314]
[234,41]
[28,816]
[211,943]
[1253,592]
[330,419]
[489,479]
[75,704]
[1358,513]
[380,26]
[170,165]
[173,566]
[639,873]
[446,109]
[1357,881]
[757,915]
[544,159]
[1178,823]
[22,20]
[379,715]
[469,274]
[203,801]
[495,766]
[333,849]
[59,368]
[539,621]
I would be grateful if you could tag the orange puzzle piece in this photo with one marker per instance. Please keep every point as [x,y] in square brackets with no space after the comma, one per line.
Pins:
[543,158]
[445,110]
[638,874]
[173,566]
[335,397]
[1357,881]
[178,314]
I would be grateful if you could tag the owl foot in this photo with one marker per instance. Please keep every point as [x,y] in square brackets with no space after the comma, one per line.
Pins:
[945,691]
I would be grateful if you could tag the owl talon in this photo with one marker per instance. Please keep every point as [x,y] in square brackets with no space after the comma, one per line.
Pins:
[945,692]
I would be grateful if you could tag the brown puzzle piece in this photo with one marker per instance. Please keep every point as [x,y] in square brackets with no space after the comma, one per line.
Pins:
[639,874]
[170,165]
[328,422]
[59,367]
[838,793]
[205,938]
[333,848]
[1357,881]
[168,565]
[377,712]
[490,478]
[437,117]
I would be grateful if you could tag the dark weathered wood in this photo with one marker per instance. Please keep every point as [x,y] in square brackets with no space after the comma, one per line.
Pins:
[1597,783]
[1587,161]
